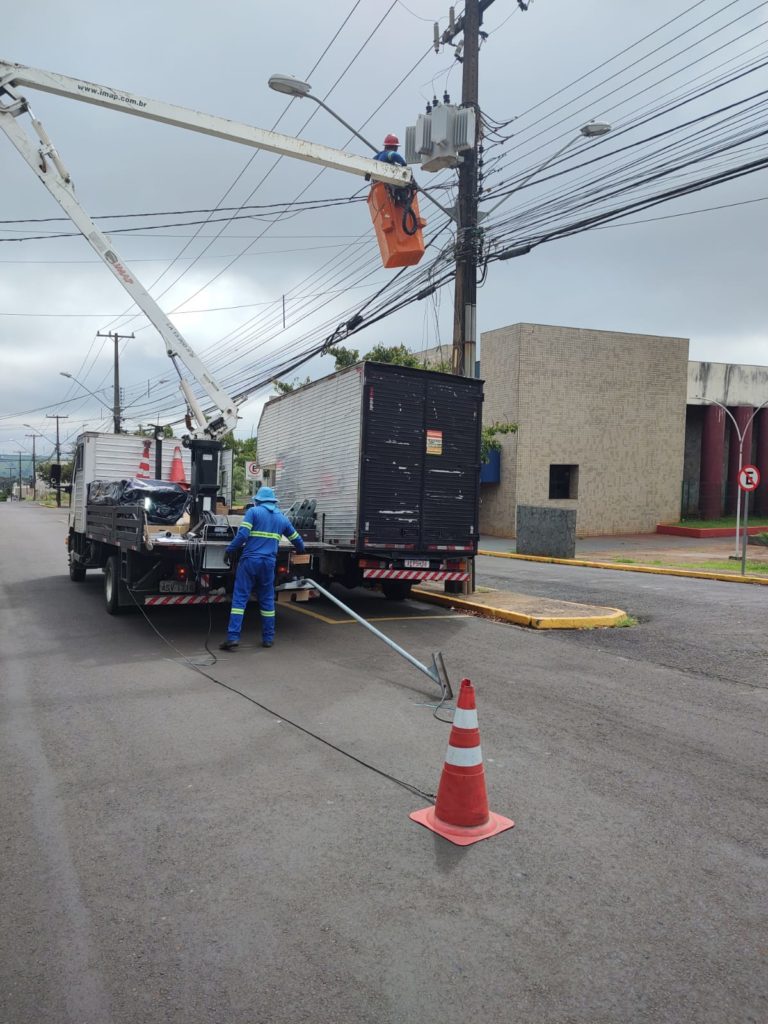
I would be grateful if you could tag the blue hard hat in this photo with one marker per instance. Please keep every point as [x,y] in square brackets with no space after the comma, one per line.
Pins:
[265,496]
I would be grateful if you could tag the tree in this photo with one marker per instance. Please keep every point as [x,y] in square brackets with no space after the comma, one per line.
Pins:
[344,356]
[396,354]
[243,451]
[488,442]
[283,387]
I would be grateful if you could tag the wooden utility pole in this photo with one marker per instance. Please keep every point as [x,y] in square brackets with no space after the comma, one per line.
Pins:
[117,338]
[468,243]
[57,417]
[465,293]
[34,465]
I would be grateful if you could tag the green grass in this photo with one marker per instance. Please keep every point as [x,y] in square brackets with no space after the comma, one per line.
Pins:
[625,621]
[726,521]
[754,568]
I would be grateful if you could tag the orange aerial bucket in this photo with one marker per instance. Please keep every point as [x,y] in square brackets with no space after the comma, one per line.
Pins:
[398,223]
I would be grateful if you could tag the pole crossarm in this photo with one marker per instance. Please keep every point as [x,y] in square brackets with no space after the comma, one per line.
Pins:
[14,75]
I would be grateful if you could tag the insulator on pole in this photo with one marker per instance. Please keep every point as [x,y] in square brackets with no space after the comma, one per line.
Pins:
[436,41]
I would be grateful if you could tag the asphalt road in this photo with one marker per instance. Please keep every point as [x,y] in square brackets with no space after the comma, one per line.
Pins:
[702,627]
[173,852]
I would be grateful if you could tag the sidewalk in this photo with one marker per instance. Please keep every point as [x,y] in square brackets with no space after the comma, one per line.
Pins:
[651,552]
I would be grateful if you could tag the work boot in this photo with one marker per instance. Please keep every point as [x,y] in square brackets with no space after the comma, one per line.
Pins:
[229,645]
[266,643]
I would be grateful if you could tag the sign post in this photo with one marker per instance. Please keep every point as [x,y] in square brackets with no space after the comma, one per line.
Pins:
[749,480]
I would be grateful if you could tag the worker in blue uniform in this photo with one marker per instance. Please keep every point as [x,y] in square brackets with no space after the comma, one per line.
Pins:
[259,536]
[389,154]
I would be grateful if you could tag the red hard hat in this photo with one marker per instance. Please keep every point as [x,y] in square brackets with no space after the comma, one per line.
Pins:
[391,140]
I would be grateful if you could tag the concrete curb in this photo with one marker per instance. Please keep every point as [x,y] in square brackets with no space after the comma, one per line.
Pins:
[521,618]
[690,573]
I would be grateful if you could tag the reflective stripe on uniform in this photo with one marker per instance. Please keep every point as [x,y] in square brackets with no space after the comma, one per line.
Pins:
[464,757]
[245,526]
[294,535]
[261,533]
[237,611]
[270,615]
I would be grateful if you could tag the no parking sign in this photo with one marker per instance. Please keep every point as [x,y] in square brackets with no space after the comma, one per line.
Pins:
[749,478]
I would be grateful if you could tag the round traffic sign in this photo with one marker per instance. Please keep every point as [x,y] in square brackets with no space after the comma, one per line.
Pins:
[252,471]
[749,478]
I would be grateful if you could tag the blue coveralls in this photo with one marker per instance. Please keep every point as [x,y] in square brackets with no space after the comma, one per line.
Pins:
[390,156]
[259,534]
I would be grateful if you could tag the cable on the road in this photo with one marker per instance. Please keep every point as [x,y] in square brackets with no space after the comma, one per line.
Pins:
[432,797]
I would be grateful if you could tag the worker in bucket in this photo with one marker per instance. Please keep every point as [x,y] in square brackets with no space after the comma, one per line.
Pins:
[389,154]
[259,536]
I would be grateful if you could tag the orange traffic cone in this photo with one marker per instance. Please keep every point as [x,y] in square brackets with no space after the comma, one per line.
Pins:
[177,468]
[143,473]
[461,811]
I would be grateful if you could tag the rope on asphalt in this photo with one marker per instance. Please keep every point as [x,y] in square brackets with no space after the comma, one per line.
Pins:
[307,732]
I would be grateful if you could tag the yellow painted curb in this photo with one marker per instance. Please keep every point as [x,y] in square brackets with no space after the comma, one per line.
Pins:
[691,573]
[520,618]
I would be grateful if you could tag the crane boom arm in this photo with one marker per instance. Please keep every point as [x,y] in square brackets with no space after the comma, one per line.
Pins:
[46,163]
[15,75]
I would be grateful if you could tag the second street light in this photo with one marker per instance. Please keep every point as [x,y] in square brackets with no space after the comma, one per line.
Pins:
[71,376]
[741,435]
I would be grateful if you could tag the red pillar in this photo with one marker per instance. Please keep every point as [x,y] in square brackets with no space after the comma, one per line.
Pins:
[761,460]
[741,413]
[711,477]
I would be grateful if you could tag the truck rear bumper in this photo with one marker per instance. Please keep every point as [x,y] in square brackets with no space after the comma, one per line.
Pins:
[413,574]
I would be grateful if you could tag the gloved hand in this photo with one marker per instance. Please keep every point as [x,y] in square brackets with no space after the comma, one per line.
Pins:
[228,558]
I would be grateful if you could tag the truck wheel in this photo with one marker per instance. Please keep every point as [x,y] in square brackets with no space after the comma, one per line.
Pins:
[396,590]
[76,570]
[112,585]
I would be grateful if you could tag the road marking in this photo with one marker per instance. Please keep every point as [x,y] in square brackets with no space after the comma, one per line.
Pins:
[345,622]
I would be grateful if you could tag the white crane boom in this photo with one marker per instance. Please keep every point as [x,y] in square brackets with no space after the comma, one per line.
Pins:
[46,163]
[15,75]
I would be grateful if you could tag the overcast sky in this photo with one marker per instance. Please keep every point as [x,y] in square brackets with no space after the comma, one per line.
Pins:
[701,277]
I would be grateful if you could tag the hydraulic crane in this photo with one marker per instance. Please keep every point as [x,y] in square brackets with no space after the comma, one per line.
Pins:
[38,150]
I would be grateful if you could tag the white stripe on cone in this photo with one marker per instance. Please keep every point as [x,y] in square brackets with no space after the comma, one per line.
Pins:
[464,757]
[465,718]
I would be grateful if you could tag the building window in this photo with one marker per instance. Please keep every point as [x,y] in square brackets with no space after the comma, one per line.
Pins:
[563,481]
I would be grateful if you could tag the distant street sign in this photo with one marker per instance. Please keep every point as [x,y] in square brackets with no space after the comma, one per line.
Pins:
[749,478]
[253,471]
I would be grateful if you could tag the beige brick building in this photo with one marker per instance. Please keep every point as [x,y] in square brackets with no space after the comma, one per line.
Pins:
[601,426]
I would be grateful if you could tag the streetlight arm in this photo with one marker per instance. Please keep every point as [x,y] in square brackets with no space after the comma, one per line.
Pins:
[81,385]
[341,120]
[593,130]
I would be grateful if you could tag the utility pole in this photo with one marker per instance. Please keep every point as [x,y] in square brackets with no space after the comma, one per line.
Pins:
[34,465]
[20,479]
[464,353]
[117,338]
[57,417]
[465,292]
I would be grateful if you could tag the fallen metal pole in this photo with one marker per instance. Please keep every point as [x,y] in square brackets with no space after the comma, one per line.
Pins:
[436,673]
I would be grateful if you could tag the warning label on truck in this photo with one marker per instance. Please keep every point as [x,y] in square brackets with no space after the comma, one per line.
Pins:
[434,442]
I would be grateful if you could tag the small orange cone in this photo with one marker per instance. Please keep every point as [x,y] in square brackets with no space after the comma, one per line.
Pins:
[143,473]
[177,468]
[461,812]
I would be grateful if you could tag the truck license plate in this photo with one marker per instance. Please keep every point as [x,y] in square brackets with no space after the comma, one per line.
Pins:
[177,586]
[416,563]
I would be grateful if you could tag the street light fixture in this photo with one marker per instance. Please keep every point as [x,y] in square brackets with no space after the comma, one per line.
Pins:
[71,376]
[290,86]
[593,130]
[741,435]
